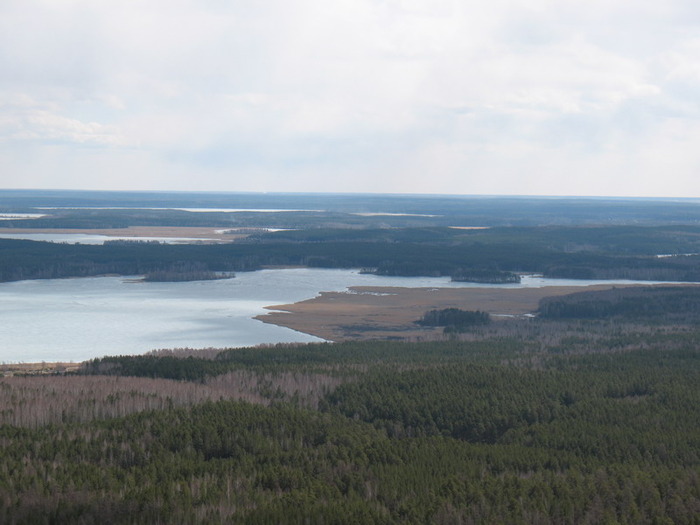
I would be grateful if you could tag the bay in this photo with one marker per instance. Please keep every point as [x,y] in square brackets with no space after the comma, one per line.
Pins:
[82,318]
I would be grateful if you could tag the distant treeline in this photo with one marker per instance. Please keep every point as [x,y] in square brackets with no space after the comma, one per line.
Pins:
[40,260]
[482,256]
[177,277]
[621,240]
[186,271]
[401,210]
[485,276]
[647,303]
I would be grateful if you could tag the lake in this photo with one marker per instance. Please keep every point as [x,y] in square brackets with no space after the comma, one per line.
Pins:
[89,238]
[79,319]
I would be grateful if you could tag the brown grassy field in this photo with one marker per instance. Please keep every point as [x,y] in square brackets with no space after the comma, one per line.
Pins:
[37,368]
[366,312]
[143,231]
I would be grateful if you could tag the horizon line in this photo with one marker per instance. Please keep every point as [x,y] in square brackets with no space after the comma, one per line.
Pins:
[346,193]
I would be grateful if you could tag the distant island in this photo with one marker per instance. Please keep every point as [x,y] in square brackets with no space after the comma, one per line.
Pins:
[485,276]
[166,276]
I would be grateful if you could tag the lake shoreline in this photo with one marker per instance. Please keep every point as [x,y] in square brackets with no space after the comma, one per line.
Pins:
[72,321]
[372,312]
[382,312]
[135,231]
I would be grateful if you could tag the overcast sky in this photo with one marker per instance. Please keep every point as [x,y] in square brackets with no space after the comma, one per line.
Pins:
[536,97]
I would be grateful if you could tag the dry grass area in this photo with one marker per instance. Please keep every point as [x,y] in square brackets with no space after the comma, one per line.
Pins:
[367,312]
[37,368]
[145,231]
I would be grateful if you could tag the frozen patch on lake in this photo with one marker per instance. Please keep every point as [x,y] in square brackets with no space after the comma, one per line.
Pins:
[84,238]
[193,210]
[20,216]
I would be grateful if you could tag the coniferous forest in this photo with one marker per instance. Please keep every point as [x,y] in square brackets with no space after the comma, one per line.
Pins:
[533,423]
[585,412]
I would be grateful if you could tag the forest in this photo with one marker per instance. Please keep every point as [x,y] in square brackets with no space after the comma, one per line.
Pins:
[493,255]
[530,421]
[476,239]
[585,412]
[454,319]
[648,304]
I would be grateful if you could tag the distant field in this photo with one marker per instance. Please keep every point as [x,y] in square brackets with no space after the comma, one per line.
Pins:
[139,231]
[37,368]
[375,210]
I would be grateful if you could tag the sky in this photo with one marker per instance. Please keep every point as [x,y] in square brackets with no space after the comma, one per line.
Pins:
[505,97]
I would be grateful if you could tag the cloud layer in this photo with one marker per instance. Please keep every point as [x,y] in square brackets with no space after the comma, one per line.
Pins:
[507,97]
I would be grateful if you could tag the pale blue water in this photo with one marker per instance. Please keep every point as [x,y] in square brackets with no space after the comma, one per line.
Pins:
[89,238]
[78,319]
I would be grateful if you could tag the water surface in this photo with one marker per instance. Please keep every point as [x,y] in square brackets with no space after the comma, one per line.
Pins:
[91,238]
[78,319]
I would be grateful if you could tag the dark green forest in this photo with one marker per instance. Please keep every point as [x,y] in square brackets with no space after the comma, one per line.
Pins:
[454,319]
[559,428]
[494,255]
[658,304]
[386,234]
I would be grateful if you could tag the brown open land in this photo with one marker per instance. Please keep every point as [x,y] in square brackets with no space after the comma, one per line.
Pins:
[203,233]
[368,312]
[37,368]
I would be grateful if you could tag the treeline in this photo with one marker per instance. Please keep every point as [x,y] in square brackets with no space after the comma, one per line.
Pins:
[41,260]
[655,304]
[85,218]
[308,357]
[443,210]
[601,239]
[483,257]
[186,271]
[175,276]
[485,276]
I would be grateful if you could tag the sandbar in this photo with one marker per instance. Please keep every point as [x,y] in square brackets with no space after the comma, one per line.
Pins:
[378,312]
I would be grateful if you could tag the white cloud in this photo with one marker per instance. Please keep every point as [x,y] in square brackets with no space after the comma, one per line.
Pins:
[353,95]
[21,118]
